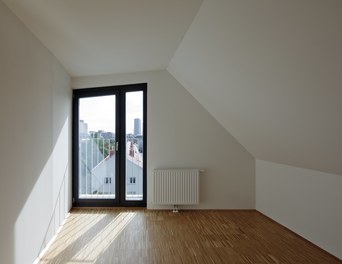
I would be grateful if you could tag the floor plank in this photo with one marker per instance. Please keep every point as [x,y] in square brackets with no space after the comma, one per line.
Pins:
[104,236]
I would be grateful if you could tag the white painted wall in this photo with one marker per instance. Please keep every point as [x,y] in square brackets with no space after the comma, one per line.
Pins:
[181,133]
[35,105]
[270,72]
[307,202]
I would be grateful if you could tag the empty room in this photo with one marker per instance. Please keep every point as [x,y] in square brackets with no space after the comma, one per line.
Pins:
[171,131]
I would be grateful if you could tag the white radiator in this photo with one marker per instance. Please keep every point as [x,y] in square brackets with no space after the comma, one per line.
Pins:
[176,186]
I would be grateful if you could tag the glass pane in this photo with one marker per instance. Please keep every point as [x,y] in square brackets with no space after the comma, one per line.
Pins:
[134,145]
[96,177]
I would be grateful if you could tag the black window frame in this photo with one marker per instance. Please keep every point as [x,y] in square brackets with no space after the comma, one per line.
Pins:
[120,136]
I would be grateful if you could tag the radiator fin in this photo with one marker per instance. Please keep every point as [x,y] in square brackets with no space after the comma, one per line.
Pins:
[176,186]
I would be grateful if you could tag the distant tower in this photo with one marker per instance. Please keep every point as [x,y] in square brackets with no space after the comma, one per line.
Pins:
[137,126]
[83,127]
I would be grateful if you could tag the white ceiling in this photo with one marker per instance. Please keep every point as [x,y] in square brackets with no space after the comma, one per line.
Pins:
[93,37]
[269,71]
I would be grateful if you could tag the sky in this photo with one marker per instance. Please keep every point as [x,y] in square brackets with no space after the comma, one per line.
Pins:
[99,112]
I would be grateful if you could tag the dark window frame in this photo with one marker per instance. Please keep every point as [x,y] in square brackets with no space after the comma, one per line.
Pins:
[120,136]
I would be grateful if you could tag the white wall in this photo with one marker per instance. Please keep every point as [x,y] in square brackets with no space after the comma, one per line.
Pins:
[270,72]
[35,105]
[307,202]
[181,133]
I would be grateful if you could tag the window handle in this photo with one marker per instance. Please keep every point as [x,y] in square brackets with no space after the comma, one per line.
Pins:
[116,146]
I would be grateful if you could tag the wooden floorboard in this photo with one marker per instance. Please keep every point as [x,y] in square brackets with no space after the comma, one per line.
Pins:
[149,236]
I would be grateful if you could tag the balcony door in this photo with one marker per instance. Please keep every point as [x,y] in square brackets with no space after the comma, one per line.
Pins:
[109,146]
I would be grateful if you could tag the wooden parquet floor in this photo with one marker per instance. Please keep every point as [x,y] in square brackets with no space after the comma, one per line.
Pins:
[147,236]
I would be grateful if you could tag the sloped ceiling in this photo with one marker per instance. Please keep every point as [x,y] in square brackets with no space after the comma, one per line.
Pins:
[93,37]
[269,71]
